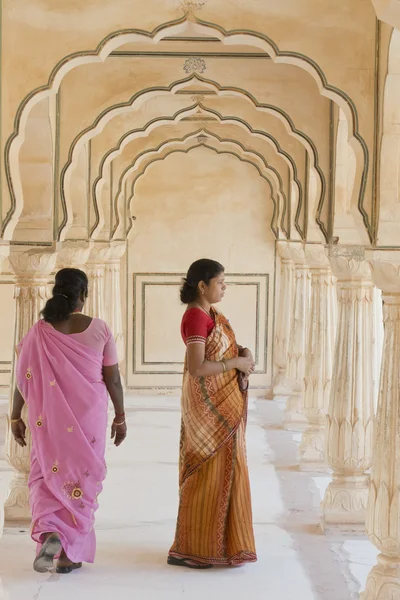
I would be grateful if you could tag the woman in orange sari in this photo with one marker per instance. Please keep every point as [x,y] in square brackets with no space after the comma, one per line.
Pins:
[214,525]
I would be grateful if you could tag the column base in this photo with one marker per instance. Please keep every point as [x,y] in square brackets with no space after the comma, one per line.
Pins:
[282,385]
[312,450]
[383,582]
[344,506]
[294,418]
[16,508]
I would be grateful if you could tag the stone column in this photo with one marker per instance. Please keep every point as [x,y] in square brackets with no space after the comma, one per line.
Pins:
[350,420]
[377,341]
[113,299]
[32,269]
[282,386]
[383,513]
[95,270]
[319,360]
[294,418]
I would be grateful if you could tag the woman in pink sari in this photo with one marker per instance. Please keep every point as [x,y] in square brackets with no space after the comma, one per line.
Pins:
[66,365]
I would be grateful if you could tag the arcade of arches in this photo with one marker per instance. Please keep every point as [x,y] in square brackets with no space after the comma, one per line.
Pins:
[139,136]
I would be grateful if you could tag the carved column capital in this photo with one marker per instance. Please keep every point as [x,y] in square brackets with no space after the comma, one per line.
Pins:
[99,254]
[32,264]
[385,269]
[116,252]
[282,248]
[317,257]
[296,253]
[73,254]
[348,263]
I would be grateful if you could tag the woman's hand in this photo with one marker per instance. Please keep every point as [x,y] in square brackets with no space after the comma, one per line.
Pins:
[118,431]
[246,365]
[18,429]
[245,352]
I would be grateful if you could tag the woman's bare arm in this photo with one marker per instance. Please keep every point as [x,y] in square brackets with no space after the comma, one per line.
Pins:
[18,405]
[112,379]
[199,367]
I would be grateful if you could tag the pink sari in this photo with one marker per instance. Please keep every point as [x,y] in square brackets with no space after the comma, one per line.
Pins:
[61,382]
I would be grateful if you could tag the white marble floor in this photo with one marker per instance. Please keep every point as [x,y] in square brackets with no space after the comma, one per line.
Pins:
[136,521]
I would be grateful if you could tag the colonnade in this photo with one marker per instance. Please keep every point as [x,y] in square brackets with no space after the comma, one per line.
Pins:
[34,268]
[329,347]
[350,422]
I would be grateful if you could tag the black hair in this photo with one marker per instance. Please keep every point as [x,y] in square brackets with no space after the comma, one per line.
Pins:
[201,270]
[70,286]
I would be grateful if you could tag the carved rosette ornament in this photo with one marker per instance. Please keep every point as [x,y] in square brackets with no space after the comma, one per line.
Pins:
[350,419]
[383,513]
[282,384]
[319,360]
[294,418]
[33,269]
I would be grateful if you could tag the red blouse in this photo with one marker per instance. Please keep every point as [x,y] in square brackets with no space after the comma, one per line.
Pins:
[196,326]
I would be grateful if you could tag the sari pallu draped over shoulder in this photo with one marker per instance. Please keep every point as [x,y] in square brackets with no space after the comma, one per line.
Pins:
[214,524]
[61,382]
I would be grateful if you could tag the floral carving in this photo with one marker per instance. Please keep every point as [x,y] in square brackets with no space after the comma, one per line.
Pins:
[194,64]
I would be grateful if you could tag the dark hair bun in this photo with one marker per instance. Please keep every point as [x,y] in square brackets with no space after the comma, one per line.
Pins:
[70,286]
[201,270]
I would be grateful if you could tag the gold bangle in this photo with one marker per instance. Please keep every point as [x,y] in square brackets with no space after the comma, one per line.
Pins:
[15,420]
[225,368]
[122,422]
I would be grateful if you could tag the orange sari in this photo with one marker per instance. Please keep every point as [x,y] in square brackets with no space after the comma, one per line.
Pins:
[214,523]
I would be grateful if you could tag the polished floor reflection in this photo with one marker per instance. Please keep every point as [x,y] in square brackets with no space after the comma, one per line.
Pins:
[136,521]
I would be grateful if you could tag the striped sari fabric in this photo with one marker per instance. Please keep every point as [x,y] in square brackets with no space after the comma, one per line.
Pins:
[214,524]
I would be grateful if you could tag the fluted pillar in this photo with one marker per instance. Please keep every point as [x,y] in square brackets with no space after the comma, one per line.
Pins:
[383,513]
[282,385]
[95,270]
[294,418]
[319,360]
[350,419]
[32,269]
[113,299]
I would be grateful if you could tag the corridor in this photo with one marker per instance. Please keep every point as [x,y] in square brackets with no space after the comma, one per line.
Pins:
[135,525]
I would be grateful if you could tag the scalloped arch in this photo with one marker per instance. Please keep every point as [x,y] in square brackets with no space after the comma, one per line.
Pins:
[119,38]
[195,146]
[97,185]
[271,175]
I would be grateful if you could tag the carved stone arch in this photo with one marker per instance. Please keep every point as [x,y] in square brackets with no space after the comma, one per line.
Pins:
[142,96]
[97,186]
[119,38]
[186,151]
[141,162]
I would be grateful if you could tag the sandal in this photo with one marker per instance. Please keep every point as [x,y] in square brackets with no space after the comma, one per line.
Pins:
[68,568]
[186,562]
[50,548]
